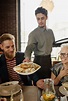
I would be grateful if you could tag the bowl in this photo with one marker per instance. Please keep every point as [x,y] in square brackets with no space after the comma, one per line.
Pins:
[65,84]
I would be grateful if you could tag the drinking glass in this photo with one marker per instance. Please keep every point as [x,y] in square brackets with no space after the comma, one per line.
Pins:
[49,91]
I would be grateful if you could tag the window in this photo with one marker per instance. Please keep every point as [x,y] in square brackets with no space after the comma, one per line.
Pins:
[57,20]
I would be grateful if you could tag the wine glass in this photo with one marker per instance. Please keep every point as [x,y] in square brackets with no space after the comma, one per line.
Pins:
[49,91]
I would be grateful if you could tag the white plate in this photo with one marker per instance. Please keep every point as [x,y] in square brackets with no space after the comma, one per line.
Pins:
[9,83]
[63,91]
[6,90]
[27,71]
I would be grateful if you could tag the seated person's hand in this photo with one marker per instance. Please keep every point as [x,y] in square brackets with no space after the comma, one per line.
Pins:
[3,99]
[64,72]
[40,83]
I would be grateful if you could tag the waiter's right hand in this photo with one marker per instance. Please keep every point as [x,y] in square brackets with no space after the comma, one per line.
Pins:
[27,60]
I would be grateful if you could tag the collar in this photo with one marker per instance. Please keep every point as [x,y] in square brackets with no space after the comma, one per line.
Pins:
[42,28]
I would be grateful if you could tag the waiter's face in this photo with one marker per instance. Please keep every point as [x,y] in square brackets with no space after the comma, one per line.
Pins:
[41,19]
[8,47]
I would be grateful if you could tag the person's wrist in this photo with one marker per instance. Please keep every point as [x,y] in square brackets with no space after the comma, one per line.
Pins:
[60,76]
[28,59]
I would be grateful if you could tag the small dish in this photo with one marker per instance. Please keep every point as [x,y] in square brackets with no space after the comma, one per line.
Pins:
[6,88]
[63,90]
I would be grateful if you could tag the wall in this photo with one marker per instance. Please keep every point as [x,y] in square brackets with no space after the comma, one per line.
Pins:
[9,18]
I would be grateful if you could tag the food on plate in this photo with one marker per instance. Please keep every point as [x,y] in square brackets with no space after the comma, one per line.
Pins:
[65,84]
[48,97]
[27,67]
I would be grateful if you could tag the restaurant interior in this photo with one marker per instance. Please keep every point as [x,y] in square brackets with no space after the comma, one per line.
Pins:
[10,22]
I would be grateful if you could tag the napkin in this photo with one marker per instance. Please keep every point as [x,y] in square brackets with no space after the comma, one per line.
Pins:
[64,98]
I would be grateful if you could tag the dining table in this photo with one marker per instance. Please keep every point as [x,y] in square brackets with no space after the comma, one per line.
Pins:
[32,93]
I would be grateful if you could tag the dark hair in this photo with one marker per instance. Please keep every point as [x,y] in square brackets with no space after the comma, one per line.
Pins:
[41,10]
[6,36]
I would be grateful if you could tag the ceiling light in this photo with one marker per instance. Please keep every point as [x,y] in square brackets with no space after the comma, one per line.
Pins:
[47,4]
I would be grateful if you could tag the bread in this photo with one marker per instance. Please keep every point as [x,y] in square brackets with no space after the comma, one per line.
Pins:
[25,66]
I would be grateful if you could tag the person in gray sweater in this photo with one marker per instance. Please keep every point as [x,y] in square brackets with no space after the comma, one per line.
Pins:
[40,41]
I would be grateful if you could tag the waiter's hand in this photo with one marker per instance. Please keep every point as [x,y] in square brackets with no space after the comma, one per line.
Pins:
[40,83]
[27,60]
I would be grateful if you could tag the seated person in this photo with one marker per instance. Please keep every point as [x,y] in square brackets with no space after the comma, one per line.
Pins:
[59,73]
[9,59]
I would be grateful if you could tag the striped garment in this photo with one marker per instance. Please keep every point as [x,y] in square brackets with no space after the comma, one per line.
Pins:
[13,76]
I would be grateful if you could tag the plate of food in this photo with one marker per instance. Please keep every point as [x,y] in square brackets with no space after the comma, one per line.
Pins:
[27,68]
[63,90]
[6,88]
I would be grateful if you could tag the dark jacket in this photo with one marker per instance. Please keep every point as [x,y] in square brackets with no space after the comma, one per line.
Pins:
[4,72]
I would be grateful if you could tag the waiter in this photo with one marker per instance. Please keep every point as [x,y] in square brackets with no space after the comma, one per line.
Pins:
[40,41]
